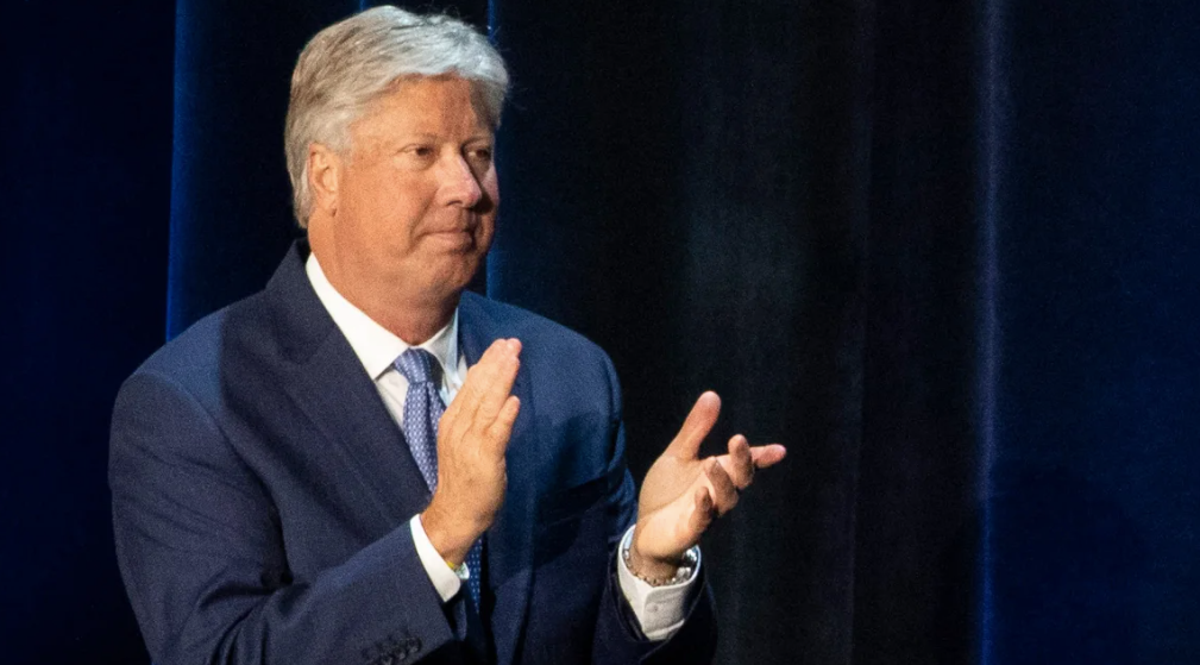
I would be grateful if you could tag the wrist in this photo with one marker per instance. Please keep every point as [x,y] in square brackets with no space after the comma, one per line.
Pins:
[447,536]
[655,570]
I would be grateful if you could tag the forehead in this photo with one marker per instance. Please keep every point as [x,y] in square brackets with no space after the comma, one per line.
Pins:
[446,105]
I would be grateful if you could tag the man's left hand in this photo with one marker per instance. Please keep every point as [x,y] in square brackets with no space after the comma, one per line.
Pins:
[683,494]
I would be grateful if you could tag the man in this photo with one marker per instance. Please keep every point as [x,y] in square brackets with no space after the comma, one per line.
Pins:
[286,486]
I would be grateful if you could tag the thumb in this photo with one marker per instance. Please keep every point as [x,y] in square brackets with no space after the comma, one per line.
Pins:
[696,426]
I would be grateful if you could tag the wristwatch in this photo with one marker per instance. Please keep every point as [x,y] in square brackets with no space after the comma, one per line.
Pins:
[684,572]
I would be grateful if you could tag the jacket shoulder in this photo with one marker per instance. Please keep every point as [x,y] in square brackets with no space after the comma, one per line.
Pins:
[193,359]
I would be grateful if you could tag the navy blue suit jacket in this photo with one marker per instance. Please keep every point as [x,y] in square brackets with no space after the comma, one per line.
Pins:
[262,493]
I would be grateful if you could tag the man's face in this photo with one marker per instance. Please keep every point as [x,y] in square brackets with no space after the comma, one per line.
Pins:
[417,192]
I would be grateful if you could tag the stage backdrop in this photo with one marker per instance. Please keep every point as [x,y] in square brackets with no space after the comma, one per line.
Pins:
[947,252]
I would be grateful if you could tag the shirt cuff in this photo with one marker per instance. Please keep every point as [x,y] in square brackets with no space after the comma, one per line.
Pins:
[659,609]
[445,579]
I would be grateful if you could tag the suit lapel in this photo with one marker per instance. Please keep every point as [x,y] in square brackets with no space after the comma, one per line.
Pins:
[345,407]
[328,382]
[510,539]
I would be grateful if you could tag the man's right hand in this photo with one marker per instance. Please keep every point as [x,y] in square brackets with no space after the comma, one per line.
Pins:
[472,439]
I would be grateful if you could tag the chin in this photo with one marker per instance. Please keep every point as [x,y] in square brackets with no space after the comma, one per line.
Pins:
[455,278]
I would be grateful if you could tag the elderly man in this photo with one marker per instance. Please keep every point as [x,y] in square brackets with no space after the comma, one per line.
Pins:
[288,486]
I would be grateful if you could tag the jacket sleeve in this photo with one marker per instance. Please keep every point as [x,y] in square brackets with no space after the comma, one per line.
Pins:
[202,556]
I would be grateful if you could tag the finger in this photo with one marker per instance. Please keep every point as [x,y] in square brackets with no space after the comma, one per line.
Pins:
[702,512]
[481,378]
[768,455]
[497,391]
[739,464]
[696,426]
[500,431]
[467,399]
[724,493]
[460,417]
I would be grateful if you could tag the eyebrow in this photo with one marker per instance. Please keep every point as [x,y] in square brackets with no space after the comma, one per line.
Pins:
[429,136]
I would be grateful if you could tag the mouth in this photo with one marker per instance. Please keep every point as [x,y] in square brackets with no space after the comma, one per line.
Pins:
[457,238]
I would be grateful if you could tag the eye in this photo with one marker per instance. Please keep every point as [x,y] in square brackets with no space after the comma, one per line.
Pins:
[419,152]
[480,154]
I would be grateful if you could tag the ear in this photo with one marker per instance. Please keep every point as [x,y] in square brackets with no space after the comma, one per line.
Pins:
[324,174]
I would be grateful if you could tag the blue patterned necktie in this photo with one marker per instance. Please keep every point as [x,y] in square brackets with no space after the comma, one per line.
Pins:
[423,408]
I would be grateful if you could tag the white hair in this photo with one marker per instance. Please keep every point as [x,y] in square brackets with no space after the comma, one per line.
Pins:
[351,63]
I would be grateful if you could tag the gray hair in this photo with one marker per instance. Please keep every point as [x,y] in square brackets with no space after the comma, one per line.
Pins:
[351,63]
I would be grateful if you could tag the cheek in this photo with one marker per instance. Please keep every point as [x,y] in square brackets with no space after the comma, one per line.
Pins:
[491,186]
[487,231]
[394,208]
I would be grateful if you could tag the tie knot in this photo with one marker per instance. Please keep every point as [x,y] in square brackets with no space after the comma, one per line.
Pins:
[418,366]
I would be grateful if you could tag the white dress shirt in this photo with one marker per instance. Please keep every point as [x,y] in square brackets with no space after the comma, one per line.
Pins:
[659,610]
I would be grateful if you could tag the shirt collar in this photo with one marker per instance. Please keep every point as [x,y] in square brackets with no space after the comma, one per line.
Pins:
[376,347]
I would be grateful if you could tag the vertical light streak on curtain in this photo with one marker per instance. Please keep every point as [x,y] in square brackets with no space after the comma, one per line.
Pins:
[490,273]
[177,246]
[230,214]
[991,91]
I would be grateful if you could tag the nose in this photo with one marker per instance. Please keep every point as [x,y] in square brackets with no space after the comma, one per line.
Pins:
[459,184]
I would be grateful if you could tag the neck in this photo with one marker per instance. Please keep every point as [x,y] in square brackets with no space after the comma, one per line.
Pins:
[413,324]
[412,316]
[414,320]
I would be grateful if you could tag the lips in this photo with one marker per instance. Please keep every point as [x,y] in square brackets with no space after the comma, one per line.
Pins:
[461,232]
[467,226]
[458,239]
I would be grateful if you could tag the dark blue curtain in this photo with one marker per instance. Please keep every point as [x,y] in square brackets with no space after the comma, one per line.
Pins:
[947,252]
[85,176]
[1093,491]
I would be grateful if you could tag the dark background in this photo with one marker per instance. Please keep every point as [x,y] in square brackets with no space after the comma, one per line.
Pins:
[947,252]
